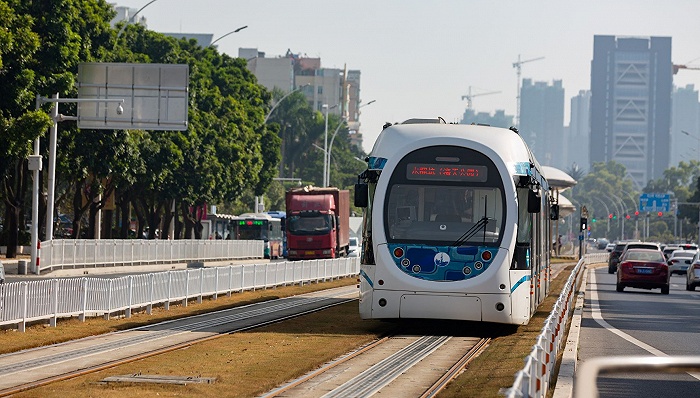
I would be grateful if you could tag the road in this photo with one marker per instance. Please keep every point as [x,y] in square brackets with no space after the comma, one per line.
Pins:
[640,322]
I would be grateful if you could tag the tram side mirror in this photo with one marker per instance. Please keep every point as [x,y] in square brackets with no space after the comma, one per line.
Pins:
[534,203]
[554,212]
[361,194]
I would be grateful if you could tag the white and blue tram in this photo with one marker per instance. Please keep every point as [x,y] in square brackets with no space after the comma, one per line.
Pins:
[456,224]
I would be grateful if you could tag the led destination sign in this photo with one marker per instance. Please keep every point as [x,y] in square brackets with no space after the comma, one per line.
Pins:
[446,172]
[250,222]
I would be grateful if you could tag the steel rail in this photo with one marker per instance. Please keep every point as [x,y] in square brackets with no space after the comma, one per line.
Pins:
[457,368]
[153,352]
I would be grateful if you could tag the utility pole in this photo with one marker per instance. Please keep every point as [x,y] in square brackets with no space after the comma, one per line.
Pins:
[518,69]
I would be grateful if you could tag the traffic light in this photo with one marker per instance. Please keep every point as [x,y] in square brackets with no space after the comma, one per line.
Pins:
[584,223]
[627,216]
[610,216]
[593,220]
[614,216]
[661,213]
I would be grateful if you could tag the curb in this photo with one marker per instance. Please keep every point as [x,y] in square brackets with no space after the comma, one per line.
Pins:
[567,369]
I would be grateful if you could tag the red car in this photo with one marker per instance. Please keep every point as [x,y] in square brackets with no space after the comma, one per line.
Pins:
[644,269]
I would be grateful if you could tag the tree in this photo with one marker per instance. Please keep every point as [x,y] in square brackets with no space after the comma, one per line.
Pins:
[42,43]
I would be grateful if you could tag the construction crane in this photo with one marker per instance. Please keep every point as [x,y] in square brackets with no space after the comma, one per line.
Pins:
[518,68]
[469,96]
[676,68]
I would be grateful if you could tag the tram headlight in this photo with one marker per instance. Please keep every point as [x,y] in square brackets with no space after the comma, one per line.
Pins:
[500,307]
[382,302]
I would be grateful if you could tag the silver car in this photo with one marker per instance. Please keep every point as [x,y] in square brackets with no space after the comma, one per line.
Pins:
[354,249]
[679,261]
[692,276]
[2,273]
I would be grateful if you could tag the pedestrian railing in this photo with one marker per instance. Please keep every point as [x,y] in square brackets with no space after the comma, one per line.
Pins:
[534,379]
[23,302]
[82,253]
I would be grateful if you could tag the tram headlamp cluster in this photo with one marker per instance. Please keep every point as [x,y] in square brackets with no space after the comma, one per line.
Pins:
[382,302]
[500,307]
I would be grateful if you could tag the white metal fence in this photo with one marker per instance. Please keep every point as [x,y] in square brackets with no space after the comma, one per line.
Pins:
[534,379]
[81,253]
[22,302]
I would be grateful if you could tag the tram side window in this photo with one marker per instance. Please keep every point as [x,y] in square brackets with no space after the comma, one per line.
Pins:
[521,259]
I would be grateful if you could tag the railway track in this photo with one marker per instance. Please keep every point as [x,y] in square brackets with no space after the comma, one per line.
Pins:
[28,369]
[407,366]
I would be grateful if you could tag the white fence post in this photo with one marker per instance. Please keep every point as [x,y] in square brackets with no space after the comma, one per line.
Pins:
[131,296]
[54,304]
[149,307]
[25,303]
[201,285]
[109,299]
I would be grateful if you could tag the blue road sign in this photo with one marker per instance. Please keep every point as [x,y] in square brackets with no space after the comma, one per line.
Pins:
[655,202]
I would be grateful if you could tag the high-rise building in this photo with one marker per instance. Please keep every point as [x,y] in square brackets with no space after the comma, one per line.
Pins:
[337,88]
[685,125]
[498,119]
[631,80]
[578,134]
[542,121]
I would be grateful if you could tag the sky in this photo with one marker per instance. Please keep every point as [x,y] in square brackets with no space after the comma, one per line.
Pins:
[418,58]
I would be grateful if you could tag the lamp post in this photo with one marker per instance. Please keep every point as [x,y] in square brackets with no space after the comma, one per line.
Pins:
[330,146]
[229,33]
[36,168]
[698,153]
[130,19]
[282,99]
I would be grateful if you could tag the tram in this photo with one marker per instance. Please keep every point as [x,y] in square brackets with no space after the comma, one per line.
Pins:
[455,224]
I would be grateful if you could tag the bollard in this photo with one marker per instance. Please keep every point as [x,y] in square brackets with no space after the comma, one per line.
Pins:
[21,267]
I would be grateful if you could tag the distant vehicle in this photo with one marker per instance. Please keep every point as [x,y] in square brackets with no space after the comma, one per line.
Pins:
[318,223]
[668,250]
[2,273]
[259,226]
[354,248]
[614,257]
[680,260]
[609,247]
[601,243]
[643,269]
[688,246]
[283,223]
[634,245]
[692,276]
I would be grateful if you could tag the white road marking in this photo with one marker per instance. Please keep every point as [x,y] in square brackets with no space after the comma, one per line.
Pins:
[595,311]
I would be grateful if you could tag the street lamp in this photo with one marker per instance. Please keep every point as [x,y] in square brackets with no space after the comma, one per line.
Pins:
[282,99]
[229,33]
[330,147]
[698,154]
[130,19]
[35,167]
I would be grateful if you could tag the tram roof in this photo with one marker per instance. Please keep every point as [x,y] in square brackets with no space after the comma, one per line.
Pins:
[509,144]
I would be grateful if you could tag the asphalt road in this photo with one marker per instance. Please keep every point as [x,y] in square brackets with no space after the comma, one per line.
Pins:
[640,322]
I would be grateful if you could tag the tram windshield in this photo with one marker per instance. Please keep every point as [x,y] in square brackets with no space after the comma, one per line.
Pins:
[444,214]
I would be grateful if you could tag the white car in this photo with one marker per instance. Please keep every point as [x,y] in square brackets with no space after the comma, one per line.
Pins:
[609,247]
[679,261]
[692,276]
[354,249]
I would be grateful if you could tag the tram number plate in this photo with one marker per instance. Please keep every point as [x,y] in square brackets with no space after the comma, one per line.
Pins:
[644,270]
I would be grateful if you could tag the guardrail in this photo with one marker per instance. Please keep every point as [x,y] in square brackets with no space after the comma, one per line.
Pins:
[22,302]
[534,379]
[82,253]
[586,386]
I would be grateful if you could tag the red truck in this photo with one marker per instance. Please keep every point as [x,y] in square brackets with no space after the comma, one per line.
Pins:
[317,223]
